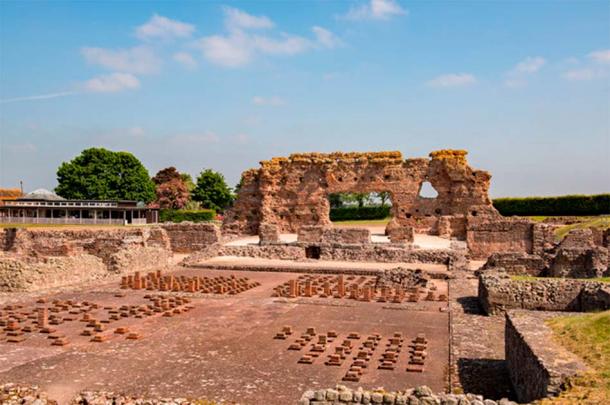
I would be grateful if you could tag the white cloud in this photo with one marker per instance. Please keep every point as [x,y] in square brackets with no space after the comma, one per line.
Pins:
[228,51]
[273,101]
[164,28]
[38,97]
[238,19]
[583,74]
[139,60]
[287,45]
[517,76]
[325,37]
[452,80]
[601,56]
[185,59]
[112,83]
[375,10]
[240,46]
[530,65]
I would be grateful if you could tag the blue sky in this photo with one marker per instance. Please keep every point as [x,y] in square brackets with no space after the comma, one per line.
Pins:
[523,85]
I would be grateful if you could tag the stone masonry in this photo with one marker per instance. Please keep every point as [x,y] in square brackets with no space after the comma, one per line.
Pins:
[538,367]
[293,192]
[498,293]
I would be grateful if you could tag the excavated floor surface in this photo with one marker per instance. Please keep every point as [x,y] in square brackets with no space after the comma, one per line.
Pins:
[224,348]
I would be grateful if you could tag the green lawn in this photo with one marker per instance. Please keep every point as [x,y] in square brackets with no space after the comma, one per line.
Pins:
[532,278]
[602,222]
[588,336]
[363,222]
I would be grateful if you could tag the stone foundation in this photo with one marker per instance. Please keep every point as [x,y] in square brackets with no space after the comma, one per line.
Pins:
[419,395]
[517,263]
[385,253]
[538,367]
[498,293]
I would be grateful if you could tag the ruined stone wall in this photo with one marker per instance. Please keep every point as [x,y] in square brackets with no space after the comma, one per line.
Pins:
[498,293]
[538,367]
[33,259]
[292,192]
[187,237]
[485,236]
[353,253]
[517,263]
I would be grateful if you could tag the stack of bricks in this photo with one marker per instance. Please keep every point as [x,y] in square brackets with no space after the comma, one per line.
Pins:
[156,281]
[361,288]
[363,356]
[390,357]
[417,354]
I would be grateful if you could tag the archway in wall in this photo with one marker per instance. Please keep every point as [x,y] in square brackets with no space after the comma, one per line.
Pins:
[371,210]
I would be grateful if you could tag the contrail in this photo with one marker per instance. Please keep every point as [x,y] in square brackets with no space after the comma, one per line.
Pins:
[38,97]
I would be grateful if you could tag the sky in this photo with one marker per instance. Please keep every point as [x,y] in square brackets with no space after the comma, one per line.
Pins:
[522,85]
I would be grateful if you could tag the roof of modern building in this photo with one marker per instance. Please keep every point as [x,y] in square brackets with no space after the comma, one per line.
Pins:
[42,194]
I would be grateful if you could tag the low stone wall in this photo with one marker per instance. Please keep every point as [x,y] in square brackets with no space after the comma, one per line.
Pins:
[188,237]
[498,293]
[538,367]
[322,234]
[419,395]
[352,253]
[34,259]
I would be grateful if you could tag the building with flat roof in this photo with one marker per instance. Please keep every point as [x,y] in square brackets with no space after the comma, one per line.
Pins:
[45,207]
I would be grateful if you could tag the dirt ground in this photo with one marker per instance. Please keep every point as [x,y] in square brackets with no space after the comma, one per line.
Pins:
[224,348]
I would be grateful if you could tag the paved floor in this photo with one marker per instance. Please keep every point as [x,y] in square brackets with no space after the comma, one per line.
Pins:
[223,349]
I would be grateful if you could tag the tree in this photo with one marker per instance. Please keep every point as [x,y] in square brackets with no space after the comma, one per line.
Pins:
[101,174]
[335,200]
[360,198]
[188,180]
[166,175]
[172,194]
[384,196]
[171,190]
[212,191]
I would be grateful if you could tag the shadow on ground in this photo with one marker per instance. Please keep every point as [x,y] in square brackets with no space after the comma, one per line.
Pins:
[487,377]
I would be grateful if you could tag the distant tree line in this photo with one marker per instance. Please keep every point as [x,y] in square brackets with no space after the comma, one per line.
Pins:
[101,174]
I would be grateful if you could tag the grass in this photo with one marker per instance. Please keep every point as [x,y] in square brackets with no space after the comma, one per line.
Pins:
[363,222]
[588,336]
[532,278]
[602,222]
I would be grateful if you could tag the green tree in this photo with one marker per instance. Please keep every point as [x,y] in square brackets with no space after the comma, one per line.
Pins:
[212,191]
[101,174]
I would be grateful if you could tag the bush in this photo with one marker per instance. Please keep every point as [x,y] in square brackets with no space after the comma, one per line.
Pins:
[168,215]
[358,213]
[564,205]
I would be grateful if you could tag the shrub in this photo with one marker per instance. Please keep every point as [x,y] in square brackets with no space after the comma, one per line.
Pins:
[563,205]
[357,213]
[205,215]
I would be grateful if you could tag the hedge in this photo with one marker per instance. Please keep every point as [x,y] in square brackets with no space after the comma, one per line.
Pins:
[563,205]
[168,215]
[357,213]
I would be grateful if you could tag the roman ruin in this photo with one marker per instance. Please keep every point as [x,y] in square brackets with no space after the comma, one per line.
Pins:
[447,303]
